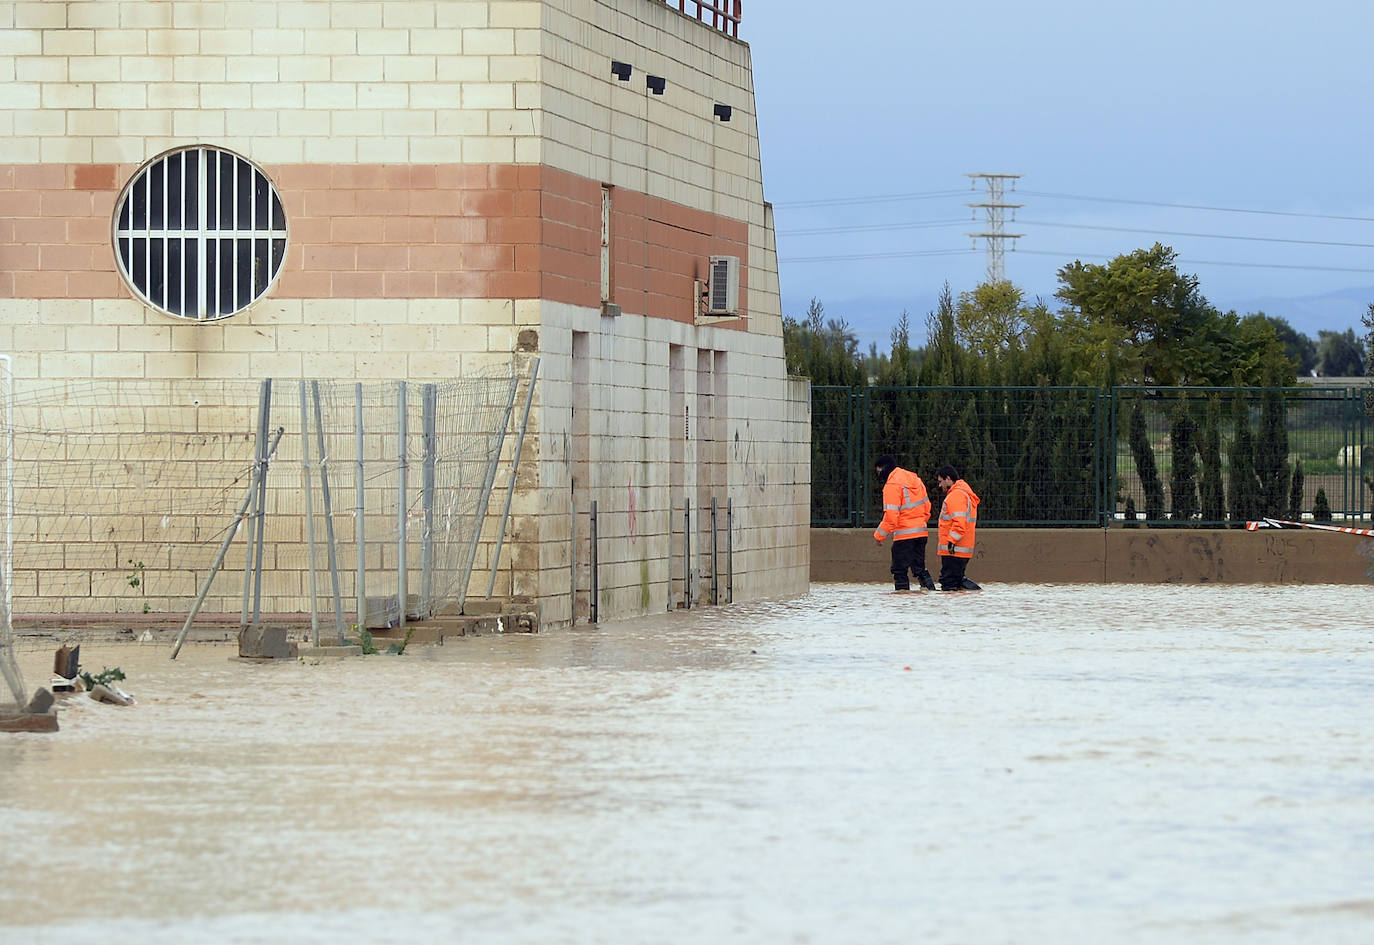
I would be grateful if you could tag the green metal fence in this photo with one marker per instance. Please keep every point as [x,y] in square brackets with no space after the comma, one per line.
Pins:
[1078,456]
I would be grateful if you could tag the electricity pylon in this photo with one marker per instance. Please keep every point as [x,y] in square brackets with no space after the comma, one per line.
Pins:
[995,208]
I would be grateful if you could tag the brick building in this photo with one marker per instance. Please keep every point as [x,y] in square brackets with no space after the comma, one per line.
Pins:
[418,189]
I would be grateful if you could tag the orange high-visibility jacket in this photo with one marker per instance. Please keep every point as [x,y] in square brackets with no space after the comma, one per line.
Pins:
[906,507]
[958,520]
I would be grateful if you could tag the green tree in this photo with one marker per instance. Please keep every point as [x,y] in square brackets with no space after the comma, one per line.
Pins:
[1321,507]
[825,350]
[1340,354]
[1295,494]
[1034,469]
[1138,303]
[1144,455]
[1211,494]
[991,319]
[1142,321]
[1183,472]
[1244,487]
[1297,347]
[1271,454]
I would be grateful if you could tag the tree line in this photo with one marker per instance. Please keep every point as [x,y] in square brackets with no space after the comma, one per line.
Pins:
[1135,321]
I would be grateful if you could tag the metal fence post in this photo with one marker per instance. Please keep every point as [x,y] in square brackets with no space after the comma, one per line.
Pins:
[596,589]
[328,512]
[359,525]
[402,434]
[729,550]
[429,401]
[309,518]
[262,502]
[715,582]
[687,554]
[510,487]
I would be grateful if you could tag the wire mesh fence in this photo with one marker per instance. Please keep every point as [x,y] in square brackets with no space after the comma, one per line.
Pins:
[1077,456]
[360,502]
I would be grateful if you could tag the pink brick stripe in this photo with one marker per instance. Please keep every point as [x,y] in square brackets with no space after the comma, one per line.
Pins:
[372,231]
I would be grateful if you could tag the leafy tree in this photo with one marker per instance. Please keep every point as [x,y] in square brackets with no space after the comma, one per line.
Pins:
[1339,354]
[1183,476]
[1211,495]
[1140,303]
[1144,322]
[1145,467]
[1244,487]
[1297,347]
[991,319]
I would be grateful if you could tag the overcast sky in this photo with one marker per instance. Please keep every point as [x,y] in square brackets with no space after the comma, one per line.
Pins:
[1116,115]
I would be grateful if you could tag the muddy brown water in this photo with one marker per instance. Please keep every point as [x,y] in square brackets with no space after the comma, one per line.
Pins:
[1030,764]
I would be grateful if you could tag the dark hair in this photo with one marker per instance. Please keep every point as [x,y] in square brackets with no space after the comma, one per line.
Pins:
[947,472]
[886,462]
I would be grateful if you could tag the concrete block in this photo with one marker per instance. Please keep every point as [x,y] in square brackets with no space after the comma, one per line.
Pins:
[42,701]
[265,643]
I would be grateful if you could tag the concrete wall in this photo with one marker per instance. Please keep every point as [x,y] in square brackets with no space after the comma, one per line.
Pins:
[443,167]
[1119,556]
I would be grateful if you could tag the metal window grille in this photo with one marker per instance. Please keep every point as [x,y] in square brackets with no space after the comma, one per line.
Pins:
[200,233]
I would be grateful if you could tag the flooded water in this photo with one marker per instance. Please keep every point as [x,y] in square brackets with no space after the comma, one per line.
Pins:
[1028,764]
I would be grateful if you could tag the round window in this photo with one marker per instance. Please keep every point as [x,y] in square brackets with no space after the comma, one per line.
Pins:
[200,233]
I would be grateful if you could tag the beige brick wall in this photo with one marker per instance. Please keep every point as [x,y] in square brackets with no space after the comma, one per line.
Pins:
[105,86]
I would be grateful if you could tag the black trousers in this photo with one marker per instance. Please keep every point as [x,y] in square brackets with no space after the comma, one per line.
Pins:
[952,572]
[909,558]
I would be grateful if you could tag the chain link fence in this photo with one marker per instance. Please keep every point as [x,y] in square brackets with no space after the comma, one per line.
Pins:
[359,502]
[1077,456]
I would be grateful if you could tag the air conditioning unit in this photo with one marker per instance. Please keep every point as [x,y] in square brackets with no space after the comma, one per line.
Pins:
[722,286]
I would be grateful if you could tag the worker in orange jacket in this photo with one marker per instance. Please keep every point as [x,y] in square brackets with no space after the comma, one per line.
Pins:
[958,523]
[906,520]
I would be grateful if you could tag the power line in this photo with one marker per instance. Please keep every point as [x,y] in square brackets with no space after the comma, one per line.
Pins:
[1198,262]
[861,256]
[880,198]
[1210,236]
[1194,206]
[915,225]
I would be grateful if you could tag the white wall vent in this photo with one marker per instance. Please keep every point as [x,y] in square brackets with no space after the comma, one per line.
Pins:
[722,286]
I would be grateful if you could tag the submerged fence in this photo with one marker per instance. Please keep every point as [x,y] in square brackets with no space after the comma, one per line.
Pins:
[361,502]
[1078,456]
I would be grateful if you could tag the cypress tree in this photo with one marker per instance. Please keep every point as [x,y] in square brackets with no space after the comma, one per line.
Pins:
[1145,467]
[1244,486]
[1271,453]
[1295,494]
[1034,466]
[1183,476]
[1321,509]
[1211,495]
